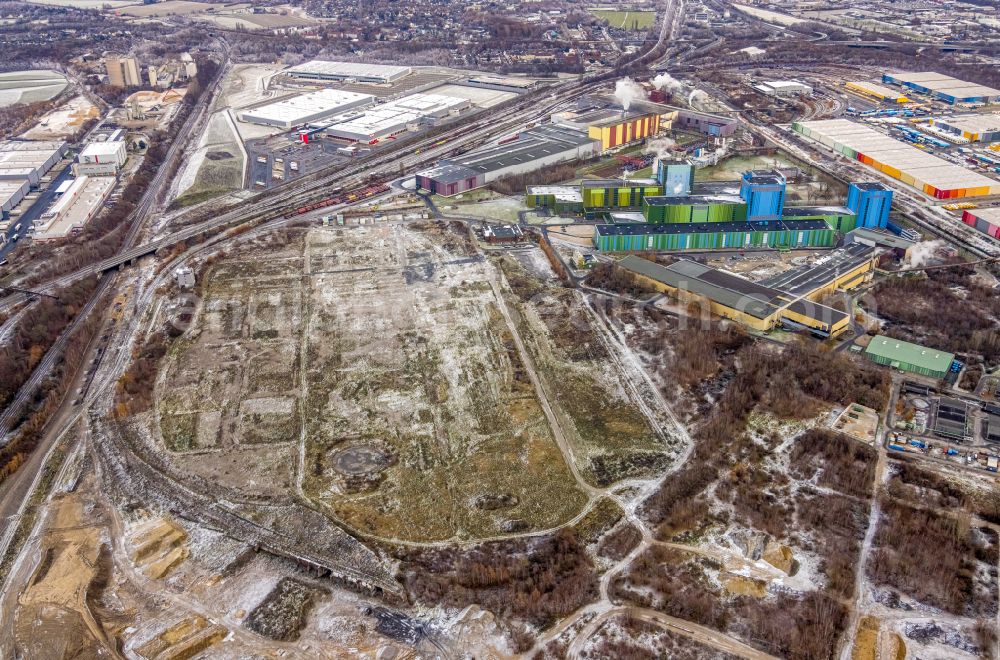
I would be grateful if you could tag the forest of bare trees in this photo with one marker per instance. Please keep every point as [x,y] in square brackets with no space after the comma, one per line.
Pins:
[536,581]
[929,311]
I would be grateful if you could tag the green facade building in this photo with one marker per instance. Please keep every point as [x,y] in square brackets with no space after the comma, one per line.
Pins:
[905,356]
[714,236]
[564,200]
[840,218]
[694,209]
[606,194]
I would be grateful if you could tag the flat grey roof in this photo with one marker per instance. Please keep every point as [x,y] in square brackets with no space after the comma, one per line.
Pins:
[798,211]
[617,183]
[693,200]
[448,172]
[801,281]
[814,310]
[719,286]
[871,185]
[531,145]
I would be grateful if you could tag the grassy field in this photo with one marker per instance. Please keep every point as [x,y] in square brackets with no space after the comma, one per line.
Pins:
[630,20]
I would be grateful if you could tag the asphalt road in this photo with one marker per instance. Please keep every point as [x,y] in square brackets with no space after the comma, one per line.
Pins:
[39,206]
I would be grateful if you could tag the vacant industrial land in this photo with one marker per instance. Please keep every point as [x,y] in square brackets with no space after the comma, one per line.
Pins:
[391,372]
[217,166]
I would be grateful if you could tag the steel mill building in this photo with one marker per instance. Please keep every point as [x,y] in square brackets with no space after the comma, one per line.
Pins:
[788,300]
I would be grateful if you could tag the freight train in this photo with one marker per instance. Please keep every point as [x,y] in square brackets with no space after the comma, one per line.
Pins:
[341,198]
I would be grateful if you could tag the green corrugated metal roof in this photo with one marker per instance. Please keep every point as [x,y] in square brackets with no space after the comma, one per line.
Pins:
[898,350]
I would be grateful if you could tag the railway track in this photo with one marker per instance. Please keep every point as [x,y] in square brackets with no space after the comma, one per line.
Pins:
[267,211]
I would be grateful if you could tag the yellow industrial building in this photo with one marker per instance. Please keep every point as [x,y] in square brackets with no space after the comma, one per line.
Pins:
[790,299]
[614,127]
[876,91]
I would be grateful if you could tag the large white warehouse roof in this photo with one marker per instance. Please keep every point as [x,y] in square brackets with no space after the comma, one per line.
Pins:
[306,108]
[326,70]
[393,117]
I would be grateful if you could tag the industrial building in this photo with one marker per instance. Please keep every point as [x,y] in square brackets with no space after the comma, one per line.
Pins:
[735,235]
[870,201]
[765,305]
[840,218]
[23,160]
[101,159]
[952,419]
[560,199]
[974,128]
[11,194]
[395,117]
[348,71]
[764,193]
[676,176]
[75,208]
[601,195]
[694,209]
[533,149]
[502,84]
[707,124]
[931,175]
[905,356]
[305,108]
[986,221]
[944,88]
[122,71]
[784,88]
[610,126]
[876,91]
[896,246]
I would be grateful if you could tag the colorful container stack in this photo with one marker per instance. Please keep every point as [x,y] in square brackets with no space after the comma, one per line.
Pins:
[931,175]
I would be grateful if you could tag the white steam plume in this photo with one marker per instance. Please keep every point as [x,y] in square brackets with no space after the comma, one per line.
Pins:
[628,90]
[666,82]
[696,94]
[922,252]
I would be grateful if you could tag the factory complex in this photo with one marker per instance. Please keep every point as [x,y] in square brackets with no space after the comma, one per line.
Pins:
[974,128]
[944,88]
[789,300]
[876,91]
[324,70]
[613,127]
[531,149]
[905,356]
[594,125]
[929,174]
[671,217]
[305,108]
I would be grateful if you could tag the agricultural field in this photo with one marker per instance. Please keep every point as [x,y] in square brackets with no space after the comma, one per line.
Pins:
[627,20]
